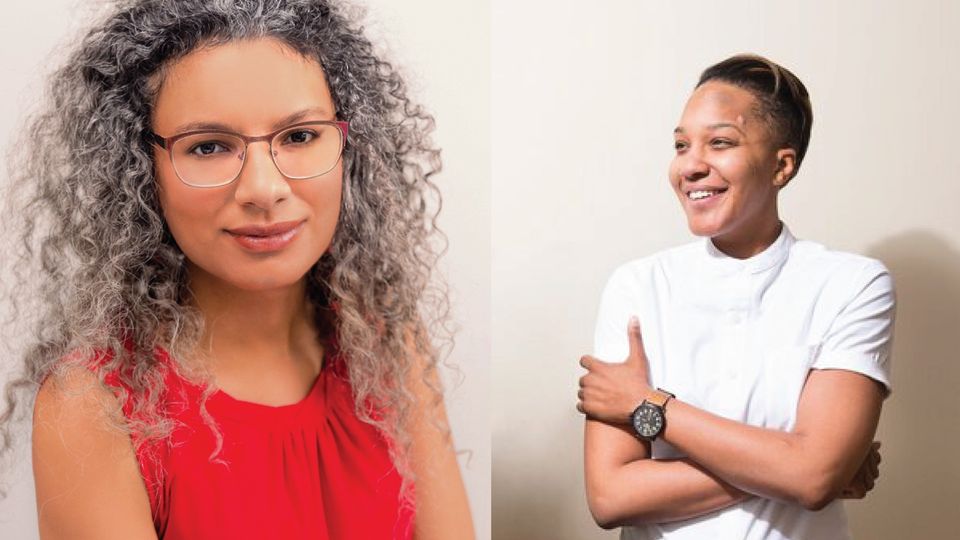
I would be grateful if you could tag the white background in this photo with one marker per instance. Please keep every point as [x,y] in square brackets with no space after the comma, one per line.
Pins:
[585,97]
[444,48]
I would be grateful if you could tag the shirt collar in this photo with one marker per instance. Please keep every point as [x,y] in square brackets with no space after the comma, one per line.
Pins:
[775,254]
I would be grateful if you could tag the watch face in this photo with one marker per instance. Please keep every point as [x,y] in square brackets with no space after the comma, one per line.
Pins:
[648,421]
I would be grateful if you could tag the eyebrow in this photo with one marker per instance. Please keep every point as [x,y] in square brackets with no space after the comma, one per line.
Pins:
[678,130]
[724,125]
[285,121]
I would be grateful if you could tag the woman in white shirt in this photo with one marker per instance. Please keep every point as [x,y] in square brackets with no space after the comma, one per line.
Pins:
[772,353]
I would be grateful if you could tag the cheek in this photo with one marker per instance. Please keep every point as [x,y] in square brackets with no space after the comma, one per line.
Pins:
[324,198]
[673,173]
[330,209]
[740,173]
[731,167]
[170,194]
[188,212]
[758,178]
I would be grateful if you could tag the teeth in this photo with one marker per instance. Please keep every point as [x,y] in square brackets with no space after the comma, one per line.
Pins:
[702,194]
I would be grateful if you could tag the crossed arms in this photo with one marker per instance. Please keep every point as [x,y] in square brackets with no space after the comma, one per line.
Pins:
[828,454]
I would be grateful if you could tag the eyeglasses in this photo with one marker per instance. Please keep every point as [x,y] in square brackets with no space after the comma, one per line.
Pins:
[214,158]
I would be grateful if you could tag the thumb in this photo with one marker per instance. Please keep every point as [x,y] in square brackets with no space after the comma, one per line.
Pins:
[636,340]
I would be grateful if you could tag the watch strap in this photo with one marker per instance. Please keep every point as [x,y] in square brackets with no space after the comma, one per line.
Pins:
[659,397]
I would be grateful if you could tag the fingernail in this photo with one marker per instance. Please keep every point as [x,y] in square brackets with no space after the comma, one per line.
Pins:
[634,321]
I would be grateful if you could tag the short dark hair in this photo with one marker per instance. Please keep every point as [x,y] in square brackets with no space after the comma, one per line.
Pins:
[782,99]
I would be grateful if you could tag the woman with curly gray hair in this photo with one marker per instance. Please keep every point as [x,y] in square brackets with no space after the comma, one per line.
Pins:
[228,220]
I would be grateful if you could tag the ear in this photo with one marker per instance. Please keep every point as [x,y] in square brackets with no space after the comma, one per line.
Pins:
[786,165]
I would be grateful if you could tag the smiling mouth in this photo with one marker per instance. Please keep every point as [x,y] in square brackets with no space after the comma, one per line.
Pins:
[701,194]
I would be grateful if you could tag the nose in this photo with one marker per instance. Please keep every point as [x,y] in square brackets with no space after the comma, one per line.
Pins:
[691,165]
[260,184]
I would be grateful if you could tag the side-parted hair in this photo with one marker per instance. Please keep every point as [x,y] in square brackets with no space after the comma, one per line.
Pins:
[783,101]
[97,272]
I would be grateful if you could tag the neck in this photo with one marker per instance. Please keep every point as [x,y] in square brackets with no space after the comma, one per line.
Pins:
[754,241]
[244,328]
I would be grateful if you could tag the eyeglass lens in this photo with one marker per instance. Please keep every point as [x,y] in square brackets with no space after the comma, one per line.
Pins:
[212,159]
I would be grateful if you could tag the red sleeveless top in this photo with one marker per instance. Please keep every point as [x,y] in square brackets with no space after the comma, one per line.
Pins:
[310,470]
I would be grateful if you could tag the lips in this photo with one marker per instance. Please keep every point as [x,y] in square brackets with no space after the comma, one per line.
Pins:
[703,197]
[266,238]
[272,229]
[702,193]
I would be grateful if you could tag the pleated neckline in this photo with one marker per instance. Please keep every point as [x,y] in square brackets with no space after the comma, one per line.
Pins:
[330,382]
[247,410]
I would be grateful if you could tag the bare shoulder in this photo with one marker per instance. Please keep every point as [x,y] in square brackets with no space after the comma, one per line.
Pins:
[443,511]
[87,479]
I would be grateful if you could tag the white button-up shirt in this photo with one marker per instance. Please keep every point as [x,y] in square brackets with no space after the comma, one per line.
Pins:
[737,337]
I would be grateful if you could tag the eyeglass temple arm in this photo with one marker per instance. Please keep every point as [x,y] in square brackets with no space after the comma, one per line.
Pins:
[154,138]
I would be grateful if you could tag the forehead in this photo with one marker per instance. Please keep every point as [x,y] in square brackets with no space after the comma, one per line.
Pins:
[245,84]
[716,102]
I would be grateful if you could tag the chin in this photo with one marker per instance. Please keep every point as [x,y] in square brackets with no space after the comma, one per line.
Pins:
[703,228]
[263,277]
[265,283]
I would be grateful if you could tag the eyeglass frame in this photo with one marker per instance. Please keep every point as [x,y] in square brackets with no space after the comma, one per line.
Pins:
[167,144]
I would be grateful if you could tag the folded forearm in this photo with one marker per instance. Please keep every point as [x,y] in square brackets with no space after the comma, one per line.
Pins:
[657,491]
[764,462]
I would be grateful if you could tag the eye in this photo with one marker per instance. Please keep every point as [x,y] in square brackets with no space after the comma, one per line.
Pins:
[207,148]
[299,136]
[722,143]
[679,146]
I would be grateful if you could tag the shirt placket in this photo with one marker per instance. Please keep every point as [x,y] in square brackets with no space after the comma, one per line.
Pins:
[735,330]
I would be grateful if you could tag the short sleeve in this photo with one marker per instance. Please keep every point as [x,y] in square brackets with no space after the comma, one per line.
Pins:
[610,342]
[861,336]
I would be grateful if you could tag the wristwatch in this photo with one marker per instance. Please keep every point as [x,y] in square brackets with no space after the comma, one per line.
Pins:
[648,418]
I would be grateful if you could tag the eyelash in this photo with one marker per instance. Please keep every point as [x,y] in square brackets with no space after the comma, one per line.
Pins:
[197,146]
[726,142]
[679,146]
[312,135]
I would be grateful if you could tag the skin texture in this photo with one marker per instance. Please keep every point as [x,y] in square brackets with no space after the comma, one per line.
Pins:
[721,145]
[442,506]
[229,282]
[87,479]
[261,327]
[277,81]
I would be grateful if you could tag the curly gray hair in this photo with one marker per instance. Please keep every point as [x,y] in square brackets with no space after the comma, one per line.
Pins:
[105,271]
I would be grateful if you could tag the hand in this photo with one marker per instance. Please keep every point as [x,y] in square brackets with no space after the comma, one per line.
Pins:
[863,481]
[611,391]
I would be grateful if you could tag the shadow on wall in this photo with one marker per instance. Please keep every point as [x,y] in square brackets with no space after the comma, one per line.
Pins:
[919,487]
